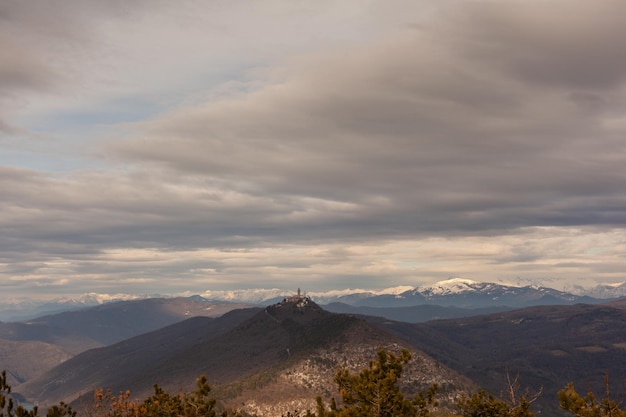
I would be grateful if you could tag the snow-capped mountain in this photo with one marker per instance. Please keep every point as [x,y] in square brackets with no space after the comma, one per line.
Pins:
[616,290]
[467,293]
[269,296]
[455,286]
[250,296]
[456,292]
[20,309]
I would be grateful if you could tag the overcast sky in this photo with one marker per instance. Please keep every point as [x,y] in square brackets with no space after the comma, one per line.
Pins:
[169,147]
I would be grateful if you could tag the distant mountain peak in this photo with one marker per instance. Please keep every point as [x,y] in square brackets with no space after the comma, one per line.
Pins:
[252,296]
[395,290]
[451,286]
[457,291]
[456,281]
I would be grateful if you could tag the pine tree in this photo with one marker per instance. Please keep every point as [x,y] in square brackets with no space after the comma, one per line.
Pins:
[483,404]
[375,392]
[589,406]
[195,404]
[8,408]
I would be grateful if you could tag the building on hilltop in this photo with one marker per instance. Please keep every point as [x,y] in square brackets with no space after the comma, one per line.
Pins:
[298,304]
[295,298]
[298,299]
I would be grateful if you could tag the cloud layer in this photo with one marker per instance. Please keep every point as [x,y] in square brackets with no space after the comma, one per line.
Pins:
[156,148]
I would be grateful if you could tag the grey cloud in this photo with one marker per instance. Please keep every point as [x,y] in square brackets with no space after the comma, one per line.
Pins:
[477,123]
[6,128]
[68,19]
[21,70]
[44,44]
[575,44]
[45,217]
[418,133]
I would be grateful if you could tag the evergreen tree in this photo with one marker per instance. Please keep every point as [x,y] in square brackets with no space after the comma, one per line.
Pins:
[589,406]
[8,408]
[375,392]
[195,404]
[483,404]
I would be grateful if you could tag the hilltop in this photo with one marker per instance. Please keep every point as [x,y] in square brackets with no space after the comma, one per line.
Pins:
[261,360]
[29,348]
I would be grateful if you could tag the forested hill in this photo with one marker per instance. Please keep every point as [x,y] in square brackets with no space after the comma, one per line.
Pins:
[547,346]
[269,359]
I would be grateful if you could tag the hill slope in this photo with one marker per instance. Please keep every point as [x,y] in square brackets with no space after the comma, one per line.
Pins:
[16,358]
[279,358]
[111,322]
[413,314]
[28,349]
[547,346]
[113,366]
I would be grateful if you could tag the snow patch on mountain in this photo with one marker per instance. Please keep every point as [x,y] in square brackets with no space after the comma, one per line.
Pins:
[21,308]
[454,291]
[264,296]
[437,291]
[612,290]
[250,296]
[395,290]
[92,298]
[450,286]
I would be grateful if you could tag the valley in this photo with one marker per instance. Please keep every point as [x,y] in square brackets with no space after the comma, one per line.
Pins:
[274,359]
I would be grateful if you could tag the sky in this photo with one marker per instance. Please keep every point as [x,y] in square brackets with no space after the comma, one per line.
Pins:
[179,147]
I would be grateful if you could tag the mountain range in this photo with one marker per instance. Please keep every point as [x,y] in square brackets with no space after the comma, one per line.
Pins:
[265,361]
[456,292]
[546,346]
[270,359]
[278,358]
[52,339]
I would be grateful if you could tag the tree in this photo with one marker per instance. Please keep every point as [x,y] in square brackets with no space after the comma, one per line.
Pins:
[195,404]
[108,404]
[589,406]
[483,404]
[375,392]
[61,410]
[8,409]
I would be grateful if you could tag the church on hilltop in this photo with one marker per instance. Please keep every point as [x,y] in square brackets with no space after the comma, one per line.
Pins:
[295,298]
[298,304]
[298,299]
